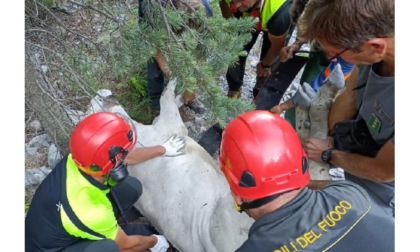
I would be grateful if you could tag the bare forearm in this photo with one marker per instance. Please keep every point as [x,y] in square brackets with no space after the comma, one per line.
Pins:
[134,242]
[162,63]
[272,53]
[277,43]
[142,154]
[363,166]
[380,168]
[139,243]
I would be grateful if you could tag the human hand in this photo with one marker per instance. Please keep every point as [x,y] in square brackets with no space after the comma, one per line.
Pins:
[276,109]
[162,244]
[315,146]
[263,71]
[167,73]
[174,145]
[286,53]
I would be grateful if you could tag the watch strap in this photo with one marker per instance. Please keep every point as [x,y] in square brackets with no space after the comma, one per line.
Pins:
[326,156]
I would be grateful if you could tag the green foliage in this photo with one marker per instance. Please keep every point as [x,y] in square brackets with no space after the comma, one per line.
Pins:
[89,69]
[48,3]
[28,199]
[135,99]
[197,50]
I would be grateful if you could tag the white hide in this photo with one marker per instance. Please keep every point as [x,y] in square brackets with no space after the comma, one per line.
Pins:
[186,197]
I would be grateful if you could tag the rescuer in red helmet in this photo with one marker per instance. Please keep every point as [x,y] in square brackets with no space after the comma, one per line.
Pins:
[266,167]
[86,202]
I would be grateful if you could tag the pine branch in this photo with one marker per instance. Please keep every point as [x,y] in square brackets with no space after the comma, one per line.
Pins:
[88,6]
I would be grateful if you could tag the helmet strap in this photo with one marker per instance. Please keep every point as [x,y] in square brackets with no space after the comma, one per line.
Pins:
[117,175]
[258,202]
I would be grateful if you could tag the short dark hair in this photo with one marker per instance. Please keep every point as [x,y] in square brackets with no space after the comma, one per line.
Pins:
[347,23]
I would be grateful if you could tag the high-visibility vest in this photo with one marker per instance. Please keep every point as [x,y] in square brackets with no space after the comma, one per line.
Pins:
[88,212]
[265,11]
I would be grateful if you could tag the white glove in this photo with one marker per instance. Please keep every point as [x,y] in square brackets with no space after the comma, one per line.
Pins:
[162,244]
[174,146]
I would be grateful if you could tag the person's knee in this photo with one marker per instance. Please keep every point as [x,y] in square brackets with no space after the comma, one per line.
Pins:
[128,192]
[134,188]
[105,245]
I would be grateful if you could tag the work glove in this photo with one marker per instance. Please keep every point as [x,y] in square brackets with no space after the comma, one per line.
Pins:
[162,244]
[174,146]
[336,77]
[304,95]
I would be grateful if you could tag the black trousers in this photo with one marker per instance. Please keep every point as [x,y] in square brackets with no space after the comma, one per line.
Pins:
[235,74]
[155,83]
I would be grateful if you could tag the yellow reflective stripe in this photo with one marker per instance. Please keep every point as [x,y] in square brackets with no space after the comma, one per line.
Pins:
[90,204]
[269,8]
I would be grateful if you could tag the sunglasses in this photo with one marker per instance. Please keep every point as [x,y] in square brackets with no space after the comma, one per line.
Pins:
[325,62]
[332,59]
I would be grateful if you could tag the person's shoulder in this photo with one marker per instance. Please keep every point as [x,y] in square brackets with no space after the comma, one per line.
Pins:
[345,186]
[280,21]
[364,69]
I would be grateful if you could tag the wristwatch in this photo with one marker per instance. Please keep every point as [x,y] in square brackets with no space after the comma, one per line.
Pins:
[326,156]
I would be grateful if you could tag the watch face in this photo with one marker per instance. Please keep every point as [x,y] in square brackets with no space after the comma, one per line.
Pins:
[326,156]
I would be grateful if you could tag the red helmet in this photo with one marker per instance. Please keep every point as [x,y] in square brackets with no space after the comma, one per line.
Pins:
[261,155]
[99,140]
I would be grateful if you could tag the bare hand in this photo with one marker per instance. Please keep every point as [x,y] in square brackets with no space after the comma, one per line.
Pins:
[315,146]
[261,71]
[276,109]
[286,53]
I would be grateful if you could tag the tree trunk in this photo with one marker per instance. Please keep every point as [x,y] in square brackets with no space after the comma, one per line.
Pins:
[48,110]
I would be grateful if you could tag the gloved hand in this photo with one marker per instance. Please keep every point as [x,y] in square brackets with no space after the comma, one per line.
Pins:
[174,146]
[304,95]
[162,244]
[336,77]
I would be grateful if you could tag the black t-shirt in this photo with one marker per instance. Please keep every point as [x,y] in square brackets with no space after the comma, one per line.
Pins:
[43,222]
[44,230]
[280,22]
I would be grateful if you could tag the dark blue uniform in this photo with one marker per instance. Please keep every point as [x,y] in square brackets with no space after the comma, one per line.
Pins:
[336,218]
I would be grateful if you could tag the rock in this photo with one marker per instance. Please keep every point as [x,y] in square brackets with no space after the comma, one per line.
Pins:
[53,156]
[43,140]
[35,125]
[34,176]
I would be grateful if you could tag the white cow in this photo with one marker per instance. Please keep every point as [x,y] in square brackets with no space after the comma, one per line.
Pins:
[186,197]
